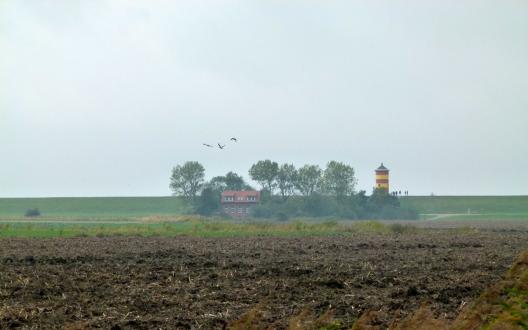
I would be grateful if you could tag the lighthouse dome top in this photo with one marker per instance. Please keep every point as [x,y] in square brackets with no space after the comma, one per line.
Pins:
[382,168]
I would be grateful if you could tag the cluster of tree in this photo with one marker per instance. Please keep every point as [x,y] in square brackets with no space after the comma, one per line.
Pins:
[288,191]
[338,179]
[379,205]
[188,180]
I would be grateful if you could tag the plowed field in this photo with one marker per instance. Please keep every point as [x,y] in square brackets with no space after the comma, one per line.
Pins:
[182,282]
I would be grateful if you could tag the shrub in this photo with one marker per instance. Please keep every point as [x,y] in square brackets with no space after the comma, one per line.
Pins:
[347,211]
[359,206]
[277,208]
[317,205]
[208,202]
[281,216]
[291,207]
[371,227]
[262,211]
[398,228]
[32,213]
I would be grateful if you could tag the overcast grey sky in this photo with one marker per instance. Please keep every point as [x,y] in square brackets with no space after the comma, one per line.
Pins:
[103,98]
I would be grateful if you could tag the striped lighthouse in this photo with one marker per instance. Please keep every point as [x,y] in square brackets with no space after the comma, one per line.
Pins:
[382,178]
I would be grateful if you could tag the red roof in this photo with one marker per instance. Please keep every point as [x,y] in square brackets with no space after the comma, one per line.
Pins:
[241,196]
[243,193]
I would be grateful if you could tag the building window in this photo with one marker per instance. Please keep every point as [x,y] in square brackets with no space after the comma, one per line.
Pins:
[251,198]
[229,198]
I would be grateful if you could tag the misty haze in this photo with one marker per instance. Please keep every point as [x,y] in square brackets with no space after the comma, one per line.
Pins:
[264,164]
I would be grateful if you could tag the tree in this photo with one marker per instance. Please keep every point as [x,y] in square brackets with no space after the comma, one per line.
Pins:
[234,181]
[286,178]
[208,202]
[380,198]
[339,179]
[317,205]
[216,184]
[265,173]
[309,179]
[187,179]
[230,181]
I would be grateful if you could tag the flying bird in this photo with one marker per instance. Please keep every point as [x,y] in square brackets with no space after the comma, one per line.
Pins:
[207,145]
[234,139]
[221,146]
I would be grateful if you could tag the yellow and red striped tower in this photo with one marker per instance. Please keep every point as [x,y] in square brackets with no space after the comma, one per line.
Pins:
[382,178]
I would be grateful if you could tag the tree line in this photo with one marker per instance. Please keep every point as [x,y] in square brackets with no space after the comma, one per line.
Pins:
[337,179]
[289,191]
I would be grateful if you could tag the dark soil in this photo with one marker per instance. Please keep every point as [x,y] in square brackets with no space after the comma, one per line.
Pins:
[189,283]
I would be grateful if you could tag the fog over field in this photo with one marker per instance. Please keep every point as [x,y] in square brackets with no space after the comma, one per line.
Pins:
[102,98]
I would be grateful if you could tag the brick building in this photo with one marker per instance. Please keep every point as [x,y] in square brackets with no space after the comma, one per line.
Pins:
[238,204]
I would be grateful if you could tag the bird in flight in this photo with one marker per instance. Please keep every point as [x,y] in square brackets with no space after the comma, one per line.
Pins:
[221,146]
[207,145]
[234,139]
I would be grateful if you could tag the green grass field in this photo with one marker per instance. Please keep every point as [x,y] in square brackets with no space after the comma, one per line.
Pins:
[198,227]
[94,207]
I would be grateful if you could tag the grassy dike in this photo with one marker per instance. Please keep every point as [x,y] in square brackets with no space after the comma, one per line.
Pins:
[481,205]
[133,207]
[94,207]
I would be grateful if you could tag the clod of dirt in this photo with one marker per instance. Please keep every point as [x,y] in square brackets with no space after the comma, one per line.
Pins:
[30,260]
[333,284]
[412,291]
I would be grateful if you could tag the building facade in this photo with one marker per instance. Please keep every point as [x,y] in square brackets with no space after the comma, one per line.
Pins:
[238,204]
[382,178]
